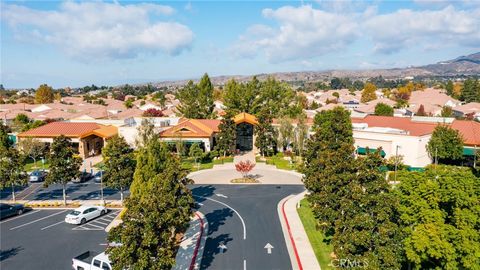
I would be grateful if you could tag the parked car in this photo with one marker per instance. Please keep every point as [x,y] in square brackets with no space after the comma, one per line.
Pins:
[37,176]
[89,261]
[83,177]
[97,177]
[8,210]
[85,213]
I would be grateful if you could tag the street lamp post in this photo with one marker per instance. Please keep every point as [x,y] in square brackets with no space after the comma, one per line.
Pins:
[101,187]
[396,163]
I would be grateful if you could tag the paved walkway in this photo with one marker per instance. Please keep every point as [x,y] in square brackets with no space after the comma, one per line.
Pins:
[90,162]
[245,156]
[266,174]
[190,252]
[300,250]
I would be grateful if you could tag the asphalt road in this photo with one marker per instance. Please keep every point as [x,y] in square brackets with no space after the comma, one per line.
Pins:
[242,220]
[75,191]
[40,239]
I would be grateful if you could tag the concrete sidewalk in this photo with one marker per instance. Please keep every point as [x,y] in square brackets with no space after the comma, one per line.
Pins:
[190,252]
[299,248]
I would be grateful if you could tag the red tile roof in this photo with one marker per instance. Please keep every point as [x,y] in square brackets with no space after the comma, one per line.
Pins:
[402,123]
[192,128]
[68,129]
[470,130]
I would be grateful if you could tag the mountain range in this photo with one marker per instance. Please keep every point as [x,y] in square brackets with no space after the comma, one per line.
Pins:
[464,65]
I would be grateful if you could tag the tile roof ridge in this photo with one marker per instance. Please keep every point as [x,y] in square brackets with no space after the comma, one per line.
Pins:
[201,126]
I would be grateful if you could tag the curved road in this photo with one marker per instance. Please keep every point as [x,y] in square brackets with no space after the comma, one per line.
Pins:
[242,220]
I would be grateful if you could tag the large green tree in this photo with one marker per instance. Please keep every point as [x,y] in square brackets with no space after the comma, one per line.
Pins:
[119,164]
[275,98]
[254,97]
[471,90]
[12,171]
[449,88]
[32,147]
[5,142]
[445,145]
[266,135]
[383,109]
[226,137]
[241,97]
[157,213]
[196,100]
[367,229]
[439,213]
[285,133]
[300,135]
[329,165]
[64,164]
[44,94]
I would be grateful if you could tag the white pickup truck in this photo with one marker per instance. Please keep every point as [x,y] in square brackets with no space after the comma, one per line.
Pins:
[89,261]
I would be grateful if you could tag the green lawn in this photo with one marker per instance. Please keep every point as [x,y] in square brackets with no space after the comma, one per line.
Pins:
[30,166]
[278,161]
[189,163]
[322,250]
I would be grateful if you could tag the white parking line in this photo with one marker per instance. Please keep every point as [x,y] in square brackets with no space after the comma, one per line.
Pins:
[98,221]
[49,226]
[22,215]
[28,223]
[108,217]
[84,227]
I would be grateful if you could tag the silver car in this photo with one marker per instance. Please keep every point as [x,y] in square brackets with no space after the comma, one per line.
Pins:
[37,176]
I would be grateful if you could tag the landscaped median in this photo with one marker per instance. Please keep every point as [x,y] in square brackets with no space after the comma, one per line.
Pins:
[316,237]
[59,203]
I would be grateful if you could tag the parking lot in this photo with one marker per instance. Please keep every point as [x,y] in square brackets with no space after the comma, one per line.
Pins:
[40,239]
[75,191]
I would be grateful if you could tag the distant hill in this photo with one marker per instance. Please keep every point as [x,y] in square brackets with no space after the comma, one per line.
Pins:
[463,65]
[468,65]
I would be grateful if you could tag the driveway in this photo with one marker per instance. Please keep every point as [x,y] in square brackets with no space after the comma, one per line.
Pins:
[244,230]
[266,174]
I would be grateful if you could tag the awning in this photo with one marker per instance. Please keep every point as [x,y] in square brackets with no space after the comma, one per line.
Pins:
[467,151]
[363,151]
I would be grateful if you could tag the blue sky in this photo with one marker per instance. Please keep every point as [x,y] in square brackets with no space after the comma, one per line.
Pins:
[77,43]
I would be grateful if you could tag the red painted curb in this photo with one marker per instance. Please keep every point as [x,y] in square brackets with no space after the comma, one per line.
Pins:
[195,252]
[291,236]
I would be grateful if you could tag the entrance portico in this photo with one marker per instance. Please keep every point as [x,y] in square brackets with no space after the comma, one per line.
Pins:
[245,124]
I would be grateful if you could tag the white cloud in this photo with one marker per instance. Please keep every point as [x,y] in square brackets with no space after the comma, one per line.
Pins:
[405,28]
[303,32]
[97,30]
